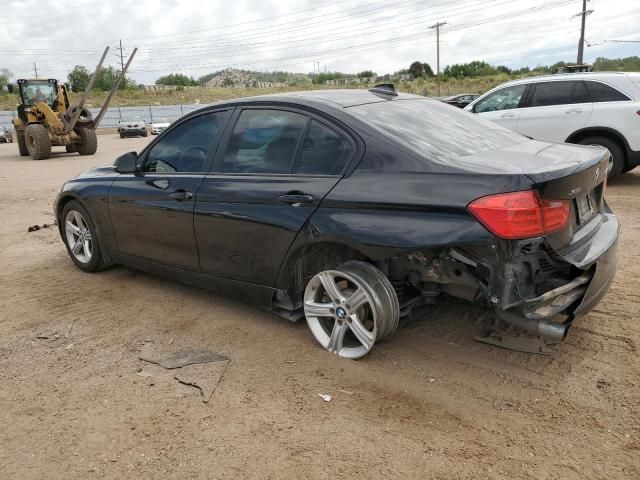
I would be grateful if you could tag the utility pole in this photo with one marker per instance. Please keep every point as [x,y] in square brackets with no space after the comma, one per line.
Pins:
[35,69]
[437,27]
[582,14]
[121,55]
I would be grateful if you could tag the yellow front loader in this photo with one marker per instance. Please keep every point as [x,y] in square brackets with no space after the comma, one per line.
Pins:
[46,119]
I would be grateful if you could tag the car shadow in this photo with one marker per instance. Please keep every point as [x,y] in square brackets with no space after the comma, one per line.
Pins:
[631,178]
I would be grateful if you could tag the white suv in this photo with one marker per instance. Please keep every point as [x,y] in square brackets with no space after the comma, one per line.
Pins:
[595,108]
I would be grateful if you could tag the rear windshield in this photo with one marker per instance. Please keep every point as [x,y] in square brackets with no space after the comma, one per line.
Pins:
[435,129]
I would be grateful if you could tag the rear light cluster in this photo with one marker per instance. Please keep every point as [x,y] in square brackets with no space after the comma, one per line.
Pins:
[518,215]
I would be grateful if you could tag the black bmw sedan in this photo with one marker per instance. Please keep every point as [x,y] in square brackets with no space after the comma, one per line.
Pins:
[351,207]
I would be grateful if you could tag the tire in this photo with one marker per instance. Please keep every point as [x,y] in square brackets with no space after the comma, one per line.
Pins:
[145,133]
[38,143]
[350,308]
[85,249]
[88,141]
[628,168]
[85,117]
[617,154]
[71,148]
[22,145]
[121,135]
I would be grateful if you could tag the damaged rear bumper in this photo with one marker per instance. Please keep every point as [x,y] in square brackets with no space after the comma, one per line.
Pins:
[597,258]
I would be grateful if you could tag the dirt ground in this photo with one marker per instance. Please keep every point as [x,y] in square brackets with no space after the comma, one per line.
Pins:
[430,403]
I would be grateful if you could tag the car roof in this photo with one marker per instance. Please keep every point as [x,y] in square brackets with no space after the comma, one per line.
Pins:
[340,98]
[571,76]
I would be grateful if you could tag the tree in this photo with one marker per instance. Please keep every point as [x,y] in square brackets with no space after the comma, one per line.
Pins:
[628,64]
[106,78]
[5,76]
[367,74]
[417,69]
[320,78]
[78,77]
[428,71]
[176,79]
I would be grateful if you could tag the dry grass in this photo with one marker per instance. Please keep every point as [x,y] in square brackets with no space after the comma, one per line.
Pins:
[131,98]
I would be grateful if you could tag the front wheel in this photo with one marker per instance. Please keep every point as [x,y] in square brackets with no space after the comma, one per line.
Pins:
[88,141]
[38,143]
[350,308]
[80,238]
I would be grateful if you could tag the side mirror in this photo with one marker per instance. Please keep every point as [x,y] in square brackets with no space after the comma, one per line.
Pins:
[127,163]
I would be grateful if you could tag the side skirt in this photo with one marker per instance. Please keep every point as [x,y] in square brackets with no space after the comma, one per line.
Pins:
[257,295]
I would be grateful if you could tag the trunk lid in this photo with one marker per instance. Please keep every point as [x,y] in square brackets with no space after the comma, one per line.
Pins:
[581,180]
[558,171]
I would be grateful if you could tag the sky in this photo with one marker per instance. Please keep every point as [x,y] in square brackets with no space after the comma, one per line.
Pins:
[200,37]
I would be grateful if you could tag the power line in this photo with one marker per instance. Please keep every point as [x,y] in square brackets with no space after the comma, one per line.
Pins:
[374,45]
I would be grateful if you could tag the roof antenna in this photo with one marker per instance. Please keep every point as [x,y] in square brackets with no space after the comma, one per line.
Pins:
[384,89]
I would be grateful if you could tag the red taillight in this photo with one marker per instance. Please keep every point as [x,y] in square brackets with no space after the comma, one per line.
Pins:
[520,214]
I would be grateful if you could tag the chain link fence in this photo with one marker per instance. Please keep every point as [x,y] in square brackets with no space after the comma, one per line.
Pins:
[113,115]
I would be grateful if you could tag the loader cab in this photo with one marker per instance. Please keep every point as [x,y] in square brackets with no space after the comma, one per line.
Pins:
[33,91]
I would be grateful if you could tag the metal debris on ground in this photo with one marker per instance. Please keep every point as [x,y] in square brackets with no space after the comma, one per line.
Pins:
[536,345]
[326,398]
[200,369]
[34,228]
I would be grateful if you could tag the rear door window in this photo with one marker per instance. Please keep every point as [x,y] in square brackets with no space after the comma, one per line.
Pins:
[546,94]
[264,141]
[324,152]
[601,92]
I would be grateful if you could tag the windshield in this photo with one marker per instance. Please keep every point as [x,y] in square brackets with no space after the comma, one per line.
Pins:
[435,129]
[38,91]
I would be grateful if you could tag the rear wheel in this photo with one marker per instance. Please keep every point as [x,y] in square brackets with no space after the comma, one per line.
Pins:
[88,141]
[350,308]
[22,144]
[80,237]
[38,143]
[617,155]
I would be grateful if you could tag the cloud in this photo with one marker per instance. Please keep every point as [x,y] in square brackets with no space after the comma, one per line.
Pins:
[199,37]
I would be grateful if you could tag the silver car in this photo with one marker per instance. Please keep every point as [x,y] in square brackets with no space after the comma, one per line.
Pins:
[5,134]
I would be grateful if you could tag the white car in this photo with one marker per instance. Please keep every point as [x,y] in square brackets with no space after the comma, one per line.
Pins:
[158,125]
[597,108]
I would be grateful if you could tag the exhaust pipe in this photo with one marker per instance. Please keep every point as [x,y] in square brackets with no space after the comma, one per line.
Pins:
[543,328]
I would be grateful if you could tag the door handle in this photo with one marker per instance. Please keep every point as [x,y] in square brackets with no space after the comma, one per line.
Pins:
[574,110]
[508,115]
[296,199]
[181,195]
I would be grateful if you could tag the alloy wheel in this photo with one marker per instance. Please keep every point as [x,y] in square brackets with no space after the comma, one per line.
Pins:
[348,309]
[78,236]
